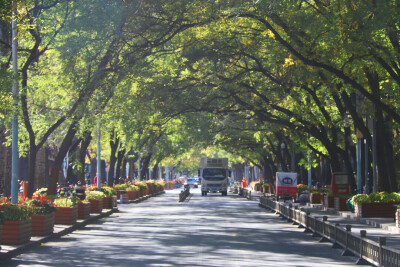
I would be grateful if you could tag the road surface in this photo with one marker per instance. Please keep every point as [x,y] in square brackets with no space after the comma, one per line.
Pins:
[202,231]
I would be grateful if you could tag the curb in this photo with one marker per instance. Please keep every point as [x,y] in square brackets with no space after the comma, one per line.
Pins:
[4,256]
[31,244]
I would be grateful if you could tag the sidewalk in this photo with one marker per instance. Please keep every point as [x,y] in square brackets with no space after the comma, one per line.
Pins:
[375,227]
[10,251]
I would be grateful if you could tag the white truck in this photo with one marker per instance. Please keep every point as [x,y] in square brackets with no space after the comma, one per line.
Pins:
[214,174]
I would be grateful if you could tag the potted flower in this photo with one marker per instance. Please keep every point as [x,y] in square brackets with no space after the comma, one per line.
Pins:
[96,200]
[43,215]
[67,211]
[160,185]
[142,188]
[16,223]
[83,209]
[132,192]
[316,196]
[121,189]
[110,199]
[376,204]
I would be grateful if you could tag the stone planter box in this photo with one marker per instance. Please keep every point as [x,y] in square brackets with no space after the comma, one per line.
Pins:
[83,210]
[340,204]
[367,210]
[107,203]
[16,232]
[329,201]
[316,198]
[66,215]
[114,201]
[398,218]
[42,224]
[96,205]
[131,195]
[120,192]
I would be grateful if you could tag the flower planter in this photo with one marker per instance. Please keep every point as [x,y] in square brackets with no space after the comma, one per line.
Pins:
[367,210]
[131,195]
[107,203]
[42,224]
[340,204]
[83,210]
[16,232]
[329,201]
[398,218]
[114,201]
[96,205]
[120,192]
[66,215]
[315,198]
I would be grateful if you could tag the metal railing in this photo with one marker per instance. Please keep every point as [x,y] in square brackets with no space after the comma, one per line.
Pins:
[184,194]
[365,249]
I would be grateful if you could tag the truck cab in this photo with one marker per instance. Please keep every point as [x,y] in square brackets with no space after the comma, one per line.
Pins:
[214,175]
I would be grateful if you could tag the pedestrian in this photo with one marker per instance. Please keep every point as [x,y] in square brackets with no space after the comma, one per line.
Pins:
[95,180]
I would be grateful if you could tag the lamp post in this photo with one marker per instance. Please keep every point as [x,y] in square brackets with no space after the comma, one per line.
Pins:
[15,92]
[139,178]
[98,171]
[283,145]
[309,170]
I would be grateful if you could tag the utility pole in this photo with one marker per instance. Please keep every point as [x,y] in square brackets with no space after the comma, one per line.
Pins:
[15,92]
[166,172]
[309,171]
[98,172]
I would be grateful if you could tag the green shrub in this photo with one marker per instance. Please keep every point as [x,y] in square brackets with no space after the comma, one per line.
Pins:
[120,186]
[66,202]
[108,191]
[133,188]
[15,212]
[95,195]
[361,198]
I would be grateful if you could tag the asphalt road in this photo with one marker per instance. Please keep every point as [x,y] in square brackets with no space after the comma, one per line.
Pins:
[202,231]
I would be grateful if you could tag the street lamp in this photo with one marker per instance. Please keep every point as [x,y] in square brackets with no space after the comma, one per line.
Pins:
[283,145]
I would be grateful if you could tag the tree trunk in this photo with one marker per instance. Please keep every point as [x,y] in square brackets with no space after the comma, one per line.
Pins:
[113,158]
[66,143]
[123,167]
[87,137]
[120,157]
[387,180]
[145,166]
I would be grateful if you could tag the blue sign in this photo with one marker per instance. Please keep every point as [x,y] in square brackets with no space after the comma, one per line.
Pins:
[287,180]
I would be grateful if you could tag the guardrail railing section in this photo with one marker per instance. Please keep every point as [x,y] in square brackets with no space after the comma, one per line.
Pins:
[341,237]
[390,257]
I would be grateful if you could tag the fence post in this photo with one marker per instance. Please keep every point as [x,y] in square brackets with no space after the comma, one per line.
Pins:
[295,212]
[336,244]
[361,261]
[346,251]
[382,242]
[323,238]
[307,230]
